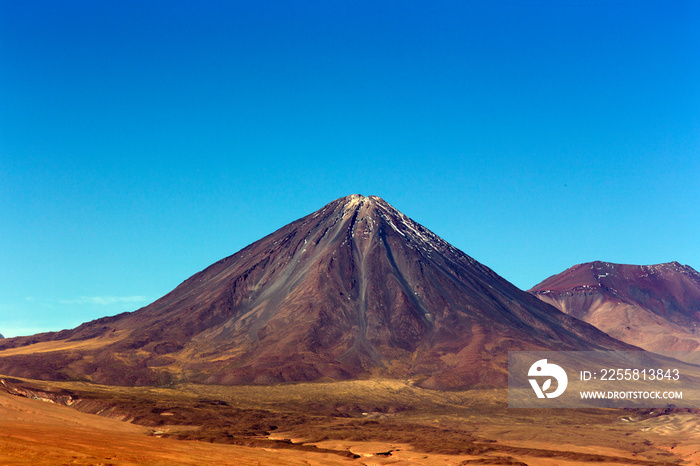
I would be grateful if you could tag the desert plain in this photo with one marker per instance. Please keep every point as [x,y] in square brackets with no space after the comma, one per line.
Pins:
[363,422]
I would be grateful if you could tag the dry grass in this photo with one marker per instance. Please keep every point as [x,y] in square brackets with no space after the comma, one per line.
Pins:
[422,425]
[67,345]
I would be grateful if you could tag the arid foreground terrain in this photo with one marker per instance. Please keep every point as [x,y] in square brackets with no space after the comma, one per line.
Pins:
[354,422]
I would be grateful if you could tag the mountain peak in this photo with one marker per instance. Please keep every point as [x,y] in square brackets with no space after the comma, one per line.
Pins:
[355,289]
[605,275]
[355,202]
[656,307]
[353,199]
[367,215]
[358,201]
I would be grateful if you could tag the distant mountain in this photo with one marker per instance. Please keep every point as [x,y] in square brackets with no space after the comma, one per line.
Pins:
[1,335]
[355,289]
[656,307]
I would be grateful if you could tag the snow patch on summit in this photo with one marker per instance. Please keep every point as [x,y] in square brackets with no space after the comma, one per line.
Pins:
[418,236]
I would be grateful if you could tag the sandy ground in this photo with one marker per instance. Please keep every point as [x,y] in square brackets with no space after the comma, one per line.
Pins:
[403,455]
[34,432]
[37,433]
[685,427]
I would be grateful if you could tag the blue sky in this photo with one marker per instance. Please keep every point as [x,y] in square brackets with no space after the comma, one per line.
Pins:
[142,141]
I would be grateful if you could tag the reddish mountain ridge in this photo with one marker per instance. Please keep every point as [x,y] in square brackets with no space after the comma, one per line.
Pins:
[355,289]
[656,307]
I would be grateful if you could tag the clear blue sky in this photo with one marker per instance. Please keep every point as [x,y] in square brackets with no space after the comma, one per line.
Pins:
[142,141]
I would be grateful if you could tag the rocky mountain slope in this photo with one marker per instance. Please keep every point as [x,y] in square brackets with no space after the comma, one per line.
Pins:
[656,307]
[353,290]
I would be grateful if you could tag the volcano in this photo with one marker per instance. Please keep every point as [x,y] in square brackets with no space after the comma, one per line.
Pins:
[353,290]
[655,307]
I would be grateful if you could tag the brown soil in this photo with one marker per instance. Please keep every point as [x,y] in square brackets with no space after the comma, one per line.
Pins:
[359,422]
